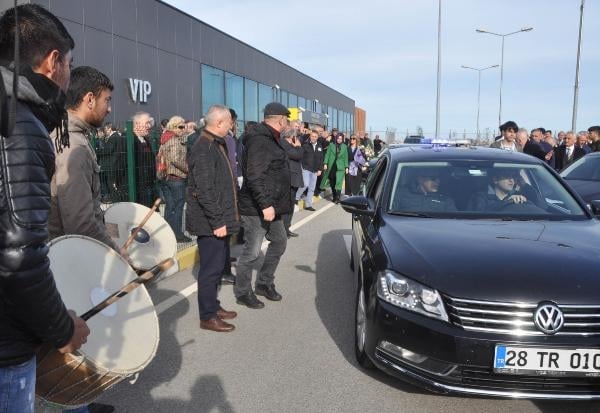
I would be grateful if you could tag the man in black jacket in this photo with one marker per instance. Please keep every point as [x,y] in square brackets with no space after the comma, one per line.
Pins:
[312,167]
[264,197]
[31,309]
[212,213]
[291,144]
[568,153]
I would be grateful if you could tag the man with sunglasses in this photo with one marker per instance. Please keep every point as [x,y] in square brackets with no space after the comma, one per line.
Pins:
[264,198]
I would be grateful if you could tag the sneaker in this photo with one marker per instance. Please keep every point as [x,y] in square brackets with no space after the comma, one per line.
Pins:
[268,292]
[309,209]
[250,301]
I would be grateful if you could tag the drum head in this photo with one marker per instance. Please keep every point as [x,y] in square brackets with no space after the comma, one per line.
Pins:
[124,336]
[156,241]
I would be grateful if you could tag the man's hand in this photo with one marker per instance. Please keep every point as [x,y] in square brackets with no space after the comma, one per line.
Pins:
[80,334]
[517,199]
[325,167]
[220,232]
[549,155]
[269,214]
[318,173]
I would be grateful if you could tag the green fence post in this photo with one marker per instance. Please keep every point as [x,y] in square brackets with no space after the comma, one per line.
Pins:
[131,184]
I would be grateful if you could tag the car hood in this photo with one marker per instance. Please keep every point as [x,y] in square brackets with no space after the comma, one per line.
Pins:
[516,261]
[588,190]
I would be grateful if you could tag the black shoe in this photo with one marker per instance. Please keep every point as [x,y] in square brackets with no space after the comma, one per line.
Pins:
[309,209]
[250,301]
[228,279]
[268,292]
[291,234]
[100,408]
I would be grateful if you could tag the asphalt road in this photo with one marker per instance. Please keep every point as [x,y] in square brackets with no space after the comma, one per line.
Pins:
[292,356]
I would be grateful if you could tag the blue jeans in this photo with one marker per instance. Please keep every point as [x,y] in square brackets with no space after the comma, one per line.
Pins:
[310,180]
[174,193]
[255,231]
[17,388]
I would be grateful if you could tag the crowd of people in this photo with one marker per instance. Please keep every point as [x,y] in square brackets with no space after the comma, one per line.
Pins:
[558,151]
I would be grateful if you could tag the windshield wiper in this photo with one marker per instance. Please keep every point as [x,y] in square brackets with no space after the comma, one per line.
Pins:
[410,214]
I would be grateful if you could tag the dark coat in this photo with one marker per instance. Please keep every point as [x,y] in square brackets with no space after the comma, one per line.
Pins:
[211,189]
[31,309]
[266,173]
[410,199]
[560,156]
[294,159]
[534,149]
[312,158]
[145,171]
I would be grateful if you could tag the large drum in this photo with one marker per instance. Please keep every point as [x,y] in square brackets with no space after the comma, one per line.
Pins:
[124,336]
[153,243]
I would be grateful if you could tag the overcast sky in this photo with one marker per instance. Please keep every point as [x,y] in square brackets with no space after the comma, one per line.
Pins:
[383,54]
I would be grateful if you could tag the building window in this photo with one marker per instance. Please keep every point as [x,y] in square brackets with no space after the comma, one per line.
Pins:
[334,122]
[213,91]
[265,96]
[293,101]
[330,118]
[318,107]
[250,100]
[234,93]
[302,102]
[284,98]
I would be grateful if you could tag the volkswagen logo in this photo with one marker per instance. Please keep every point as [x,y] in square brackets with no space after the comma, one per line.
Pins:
[548,318]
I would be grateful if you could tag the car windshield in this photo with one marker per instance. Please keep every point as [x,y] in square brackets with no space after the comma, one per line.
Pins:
[480,189]
[585,169]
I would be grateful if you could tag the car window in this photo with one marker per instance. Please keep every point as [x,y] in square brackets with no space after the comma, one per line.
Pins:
[376,181]
[480,189]
[585,169]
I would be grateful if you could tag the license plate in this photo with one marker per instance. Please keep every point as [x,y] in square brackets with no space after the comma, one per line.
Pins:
[539,360]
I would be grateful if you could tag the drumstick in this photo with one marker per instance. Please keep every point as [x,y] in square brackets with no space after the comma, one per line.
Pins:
[139,227]
[127,288]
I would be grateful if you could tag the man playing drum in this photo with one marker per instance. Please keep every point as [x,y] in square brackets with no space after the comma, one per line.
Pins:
[31,309]
[75,187]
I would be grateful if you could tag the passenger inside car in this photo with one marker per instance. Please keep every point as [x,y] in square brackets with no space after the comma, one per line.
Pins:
[423,193]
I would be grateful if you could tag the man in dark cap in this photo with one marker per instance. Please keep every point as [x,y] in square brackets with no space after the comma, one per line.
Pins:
[507,142]
[264,197]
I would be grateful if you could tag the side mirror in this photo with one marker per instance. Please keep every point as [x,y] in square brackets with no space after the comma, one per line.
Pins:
[358,205]
[595,206]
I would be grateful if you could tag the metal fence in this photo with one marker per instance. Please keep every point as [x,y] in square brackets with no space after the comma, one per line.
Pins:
[127,172]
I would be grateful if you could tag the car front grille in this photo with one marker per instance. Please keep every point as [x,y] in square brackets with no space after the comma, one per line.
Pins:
[486,377]
[517,318]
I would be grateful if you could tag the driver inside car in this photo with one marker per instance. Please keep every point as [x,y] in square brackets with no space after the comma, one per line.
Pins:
[502,192]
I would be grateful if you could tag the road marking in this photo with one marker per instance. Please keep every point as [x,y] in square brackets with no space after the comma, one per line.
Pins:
[191,289]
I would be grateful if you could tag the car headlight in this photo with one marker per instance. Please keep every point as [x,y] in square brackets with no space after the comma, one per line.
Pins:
[410,295]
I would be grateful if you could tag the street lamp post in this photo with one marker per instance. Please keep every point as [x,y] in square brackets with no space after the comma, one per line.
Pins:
[479,89]
[576,91]
[439,71]
[524,29]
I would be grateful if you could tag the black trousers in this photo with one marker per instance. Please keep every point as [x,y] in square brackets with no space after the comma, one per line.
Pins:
[212,251]
[287,218]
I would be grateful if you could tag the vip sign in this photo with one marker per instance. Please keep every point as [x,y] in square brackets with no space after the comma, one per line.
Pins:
[139,90]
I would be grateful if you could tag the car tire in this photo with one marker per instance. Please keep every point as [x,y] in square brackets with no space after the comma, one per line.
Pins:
[360,330]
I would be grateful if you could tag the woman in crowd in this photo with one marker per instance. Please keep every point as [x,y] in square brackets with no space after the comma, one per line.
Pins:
[335,167]
[357,161]
[172,170]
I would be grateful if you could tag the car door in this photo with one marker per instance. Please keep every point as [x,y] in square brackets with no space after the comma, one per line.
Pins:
[364,227]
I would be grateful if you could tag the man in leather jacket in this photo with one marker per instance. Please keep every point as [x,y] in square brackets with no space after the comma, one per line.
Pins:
[31,309]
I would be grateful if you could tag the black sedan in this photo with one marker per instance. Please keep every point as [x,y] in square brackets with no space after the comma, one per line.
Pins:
[477,273]
[584,176]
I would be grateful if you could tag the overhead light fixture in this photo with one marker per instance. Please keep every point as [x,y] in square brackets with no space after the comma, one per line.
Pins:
[301,109]
[276,86]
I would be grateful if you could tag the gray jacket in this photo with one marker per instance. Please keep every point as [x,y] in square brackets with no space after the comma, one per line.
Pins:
[75,188]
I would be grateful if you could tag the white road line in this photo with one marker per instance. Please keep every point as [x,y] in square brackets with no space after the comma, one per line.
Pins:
[191,289]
